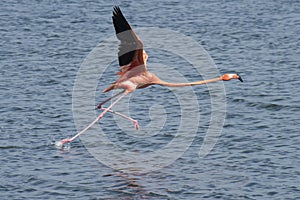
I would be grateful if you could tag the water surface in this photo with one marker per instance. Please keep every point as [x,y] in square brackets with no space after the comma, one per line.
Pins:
[257,156]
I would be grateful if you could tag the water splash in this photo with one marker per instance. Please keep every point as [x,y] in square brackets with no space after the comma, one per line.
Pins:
[62,146]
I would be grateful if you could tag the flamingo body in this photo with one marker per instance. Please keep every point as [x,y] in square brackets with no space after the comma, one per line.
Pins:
[133,72]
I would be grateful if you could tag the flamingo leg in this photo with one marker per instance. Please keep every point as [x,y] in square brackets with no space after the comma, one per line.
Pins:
[67,140]
[135,122]
[103,102]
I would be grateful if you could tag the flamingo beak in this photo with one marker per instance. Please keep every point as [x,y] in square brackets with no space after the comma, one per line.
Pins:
[240,78]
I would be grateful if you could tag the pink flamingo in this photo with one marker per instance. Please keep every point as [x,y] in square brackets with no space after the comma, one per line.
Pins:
[133,72]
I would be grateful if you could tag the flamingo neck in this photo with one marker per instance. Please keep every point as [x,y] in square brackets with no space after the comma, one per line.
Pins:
[168,84]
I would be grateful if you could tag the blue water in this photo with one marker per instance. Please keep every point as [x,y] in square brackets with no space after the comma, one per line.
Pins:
[43,44]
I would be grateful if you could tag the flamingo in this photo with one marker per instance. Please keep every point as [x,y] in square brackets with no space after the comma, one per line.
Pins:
[133,72]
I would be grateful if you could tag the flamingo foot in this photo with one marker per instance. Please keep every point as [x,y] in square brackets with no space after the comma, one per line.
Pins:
[67,140]
[60,144]
[136,124]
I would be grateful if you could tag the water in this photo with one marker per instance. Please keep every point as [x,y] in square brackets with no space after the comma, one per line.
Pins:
[257,156]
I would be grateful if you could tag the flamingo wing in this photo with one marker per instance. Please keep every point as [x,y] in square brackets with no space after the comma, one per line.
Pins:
[131,47]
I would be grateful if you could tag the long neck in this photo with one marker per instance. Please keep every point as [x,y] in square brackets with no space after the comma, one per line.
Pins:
[164,83]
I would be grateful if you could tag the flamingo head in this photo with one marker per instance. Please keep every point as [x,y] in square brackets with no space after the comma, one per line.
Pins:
[228,77]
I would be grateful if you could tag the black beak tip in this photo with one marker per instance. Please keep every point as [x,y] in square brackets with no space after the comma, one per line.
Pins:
[240,78]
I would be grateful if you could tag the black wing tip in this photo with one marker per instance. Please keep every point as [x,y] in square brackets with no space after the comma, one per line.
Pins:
[116,7]
[119,20]
[117,10]
[117,13]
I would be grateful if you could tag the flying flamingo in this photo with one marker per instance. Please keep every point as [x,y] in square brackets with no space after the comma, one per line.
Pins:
[133,72]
